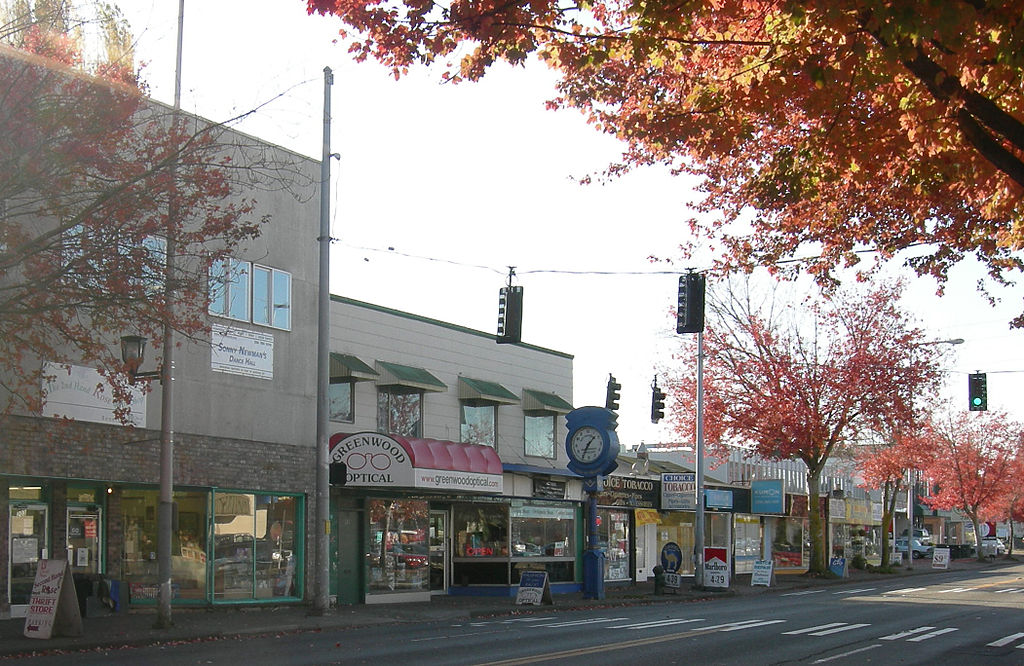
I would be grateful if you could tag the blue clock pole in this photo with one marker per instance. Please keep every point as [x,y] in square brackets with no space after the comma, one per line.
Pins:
[593,557]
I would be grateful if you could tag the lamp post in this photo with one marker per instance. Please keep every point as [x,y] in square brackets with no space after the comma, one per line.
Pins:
[912,473]
[133,349]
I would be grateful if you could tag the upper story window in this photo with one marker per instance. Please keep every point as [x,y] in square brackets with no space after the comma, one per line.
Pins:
[400,411]
[345,371]
[478,410]
[86,254]
[271,297]
[248,292]
[541,411]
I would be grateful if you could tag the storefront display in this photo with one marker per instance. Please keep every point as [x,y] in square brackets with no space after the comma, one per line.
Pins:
[614,538]
[398,552]
[790,545]
[746,542]
[677,527]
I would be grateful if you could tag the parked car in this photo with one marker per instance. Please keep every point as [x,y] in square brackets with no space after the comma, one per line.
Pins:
[922,535]
[991,545]
[918,549]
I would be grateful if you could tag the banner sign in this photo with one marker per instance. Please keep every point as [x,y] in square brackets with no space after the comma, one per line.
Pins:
[767,496]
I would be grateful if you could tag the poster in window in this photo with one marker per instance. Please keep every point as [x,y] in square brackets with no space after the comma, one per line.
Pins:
[24,550]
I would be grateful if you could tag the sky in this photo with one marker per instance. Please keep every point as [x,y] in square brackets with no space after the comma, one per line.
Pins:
[440,188]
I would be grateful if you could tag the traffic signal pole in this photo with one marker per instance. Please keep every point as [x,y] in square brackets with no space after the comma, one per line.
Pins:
[698,542]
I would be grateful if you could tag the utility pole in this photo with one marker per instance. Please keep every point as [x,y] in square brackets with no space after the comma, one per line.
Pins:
[321,601]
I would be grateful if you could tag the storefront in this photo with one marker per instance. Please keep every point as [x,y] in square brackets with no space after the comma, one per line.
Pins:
[855,529]
[617,525]
[786,537]
[429,517]
[227,546]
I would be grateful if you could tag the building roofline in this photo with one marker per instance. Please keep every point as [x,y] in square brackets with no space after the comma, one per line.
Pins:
[444,324]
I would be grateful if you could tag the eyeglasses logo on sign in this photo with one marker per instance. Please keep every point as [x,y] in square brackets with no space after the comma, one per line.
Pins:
[373,460]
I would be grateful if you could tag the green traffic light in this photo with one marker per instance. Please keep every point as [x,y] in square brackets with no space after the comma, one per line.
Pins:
[977,401]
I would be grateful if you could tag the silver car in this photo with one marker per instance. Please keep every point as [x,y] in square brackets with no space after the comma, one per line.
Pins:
[919,549]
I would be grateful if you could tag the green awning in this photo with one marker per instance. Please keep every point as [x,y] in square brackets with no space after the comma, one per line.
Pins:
[393,374]
[539,401]
[345,367]
[478,389]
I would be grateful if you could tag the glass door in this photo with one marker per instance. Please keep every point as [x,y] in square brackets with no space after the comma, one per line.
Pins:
[439,560]
[84,543]
[27,544]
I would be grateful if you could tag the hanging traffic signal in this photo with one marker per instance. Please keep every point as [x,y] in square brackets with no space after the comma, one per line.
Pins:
[611,396]
[690,310]
[657,404]
[510,315]
[977,390]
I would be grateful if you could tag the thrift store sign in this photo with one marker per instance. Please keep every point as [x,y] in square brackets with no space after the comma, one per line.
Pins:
[53,606]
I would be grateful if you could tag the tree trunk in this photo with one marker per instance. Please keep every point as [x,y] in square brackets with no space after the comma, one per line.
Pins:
[819,562]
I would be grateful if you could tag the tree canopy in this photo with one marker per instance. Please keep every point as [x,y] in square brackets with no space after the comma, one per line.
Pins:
[818,129]
[788,388]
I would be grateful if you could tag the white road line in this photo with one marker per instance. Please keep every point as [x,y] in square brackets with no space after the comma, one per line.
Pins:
[751,626]
[1009,589]
[863,589]
[933,634]
[839,629]
[906,590]
[810,629]
[657,623]
[904,634]
[847,654]
[957,589]
[800,594]
[1006,641]
[741,624]
[576,623]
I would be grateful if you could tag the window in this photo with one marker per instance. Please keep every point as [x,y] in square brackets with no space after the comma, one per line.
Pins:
[478,422]
[540,435]
[229,289]
[341,400]
[271,297]
[400,411]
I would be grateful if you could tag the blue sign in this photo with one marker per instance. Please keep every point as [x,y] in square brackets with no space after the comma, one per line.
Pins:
[837,565]
[671,557]
[718,499]
[767,496]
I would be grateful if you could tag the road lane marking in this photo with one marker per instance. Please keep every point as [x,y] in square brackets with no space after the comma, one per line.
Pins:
[957,589]
[810,629]
[847,654]
[906,590]
[904,634]
[863,589]
[1006,641]
[576,623]
[933,634]
[800,594]
[752,625]
[1010,589]
[657,623]
[839,629]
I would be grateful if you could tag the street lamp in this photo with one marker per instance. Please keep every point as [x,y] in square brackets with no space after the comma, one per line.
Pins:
[912,473]
[133,349]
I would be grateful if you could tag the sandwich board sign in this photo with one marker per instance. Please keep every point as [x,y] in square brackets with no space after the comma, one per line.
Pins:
[716,567]
[763,573]
[534,589]
[53,607]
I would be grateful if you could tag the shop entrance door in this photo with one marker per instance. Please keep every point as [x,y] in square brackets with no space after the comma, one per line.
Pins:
[351,558]
[84,543]
[440,563]
[28,543]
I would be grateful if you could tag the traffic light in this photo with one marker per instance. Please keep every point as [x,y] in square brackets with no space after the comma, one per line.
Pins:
[977,389]
[611,396]
[657,405]
[510,314]
[690,310]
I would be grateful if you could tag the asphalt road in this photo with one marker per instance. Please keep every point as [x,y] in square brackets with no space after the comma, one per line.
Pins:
[960,618]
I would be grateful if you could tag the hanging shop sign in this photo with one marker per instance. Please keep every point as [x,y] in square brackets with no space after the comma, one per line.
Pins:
[679,491]
[767,496]
[630,492]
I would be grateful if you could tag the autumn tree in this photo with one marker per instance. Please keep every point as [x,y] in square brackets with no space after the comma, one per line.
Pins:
[817,129]
[976,457]
[93,179]
[801,380]
[885,465]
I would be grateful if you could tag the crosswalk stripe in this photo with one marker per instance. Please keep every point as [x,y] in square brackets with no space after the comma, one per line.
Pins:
[933,634]
[906,590]
[1009,589]
[800,594]
[839,629]
[657,623]
[863,589]
[957,589]
[1006,641]
[751,626]
[810,629]
[904,634]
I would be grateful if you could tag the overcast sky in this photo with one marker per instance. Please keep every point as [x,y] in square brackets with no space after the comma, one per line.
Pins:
[465,181]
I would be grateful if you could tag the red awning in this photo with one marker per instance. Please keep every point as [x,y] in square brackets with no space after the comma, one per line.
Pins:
[451,456]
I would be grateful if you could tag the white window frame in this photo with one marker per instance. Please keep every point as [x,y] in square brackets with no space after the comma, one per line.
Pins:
[279,308]
[222,291]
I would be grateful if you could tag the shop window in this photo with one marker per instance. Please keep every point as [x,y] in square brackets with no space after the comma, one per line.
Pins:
[478,423]
[481,530]
[613,538]
[543,530]
[400,411]
[540,435]
[678,527]
[255,543]
[398,554]
[271,297]
[788,544]
[188,545]
[341,400]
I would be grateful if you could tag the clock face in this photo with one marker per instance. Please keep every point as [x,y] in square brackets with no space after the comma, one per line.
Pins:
[586,444]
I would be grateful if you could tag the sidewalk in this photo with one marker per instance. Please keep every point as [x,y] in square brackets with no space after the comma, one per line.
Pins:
[135,627]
